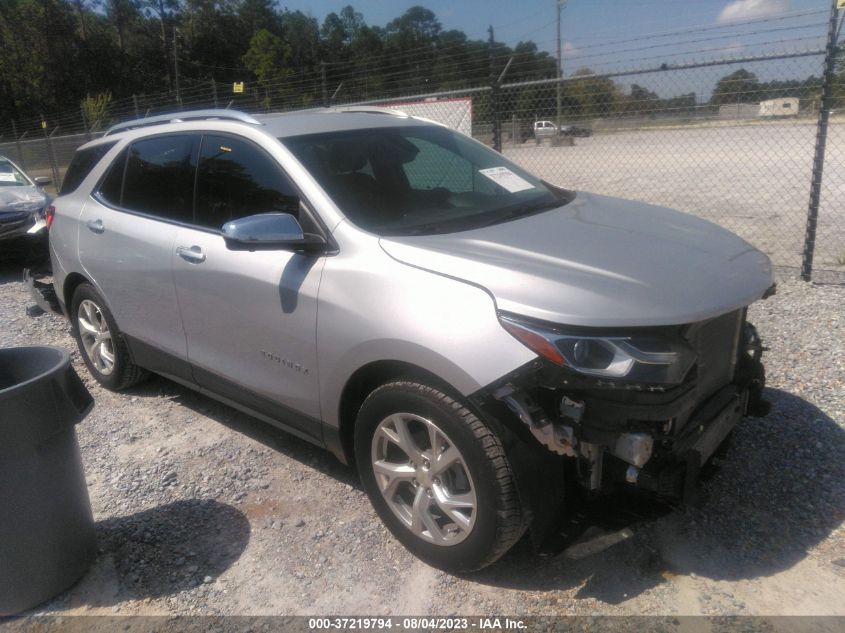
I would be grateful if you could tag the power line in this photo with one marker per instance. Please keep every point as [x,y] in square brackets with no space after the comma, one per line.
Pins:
[709,27]
[696,41]
[391,57]
[796,53]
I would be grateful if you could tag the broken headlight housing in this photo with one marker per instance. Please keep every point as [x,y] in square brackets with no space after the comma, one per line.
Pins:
[647,356]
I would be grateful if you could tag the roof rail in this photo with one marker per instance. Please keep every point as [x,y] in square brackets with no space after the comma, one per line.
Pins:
[371,110]
[178,117]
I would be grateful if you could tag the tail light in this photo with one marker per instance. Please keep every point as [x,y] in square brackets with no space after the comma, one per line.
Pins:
[49,213]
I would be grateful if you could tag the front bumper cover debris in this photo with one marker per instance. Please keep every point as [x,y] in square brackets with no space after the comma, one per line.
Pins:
[654,438]
[40,291]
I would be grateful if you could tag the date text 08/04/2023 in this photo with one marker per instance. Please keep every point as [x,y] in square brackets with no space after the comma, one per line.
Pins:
[416,623]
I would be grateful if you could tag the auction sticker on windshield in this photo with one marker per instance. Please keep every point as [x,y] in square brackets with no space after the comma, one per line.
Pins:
[7,177]
[506,179]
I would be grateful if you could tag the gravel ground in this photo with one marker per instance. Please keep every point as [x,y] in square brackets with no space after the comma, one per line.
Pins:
[203,510]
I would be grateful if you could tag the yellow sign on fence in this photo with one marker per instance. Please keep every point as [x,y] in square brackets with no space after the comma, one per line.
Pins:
[840,4]
[238,86]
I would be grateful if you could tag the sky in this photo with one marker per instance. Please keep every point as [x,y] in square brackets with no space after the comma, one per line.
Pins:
[613,35]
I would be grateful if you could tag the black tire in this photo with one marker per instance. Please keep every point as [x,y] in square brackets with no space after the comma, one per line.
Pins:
[124,373]
[498,520]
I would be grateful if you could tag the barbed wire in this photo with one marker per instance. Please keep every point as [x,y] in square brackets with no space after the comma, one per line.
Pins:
[307,82]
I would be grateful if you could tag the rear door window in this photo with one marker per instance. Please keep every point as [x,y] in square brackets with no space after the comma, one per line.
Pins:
[235,179]
[84,160]
[159,177]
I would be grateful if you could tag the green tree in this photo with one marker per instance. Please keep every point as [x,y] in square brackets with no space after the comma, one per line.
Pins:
[55,52]
[267,58]
[96,109]
[121,14]
[593,96]
[410,40]
[641,100]
[740,86]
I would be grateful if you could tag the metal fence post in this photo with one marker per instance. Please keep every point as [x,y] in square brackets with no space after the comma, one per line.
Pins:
[85,122]
[21,158]
[494,98]
[821,141]
[51,157]
[214,93]
[54,162]
[135,104]
[323,84]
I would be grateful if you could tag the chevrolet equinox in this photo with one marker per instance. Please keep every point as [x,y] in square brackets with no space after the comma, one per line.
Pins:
[465,333]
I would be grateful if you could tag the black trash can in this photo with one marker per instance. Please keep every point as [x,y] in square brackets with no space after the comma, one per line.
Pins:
[47,538]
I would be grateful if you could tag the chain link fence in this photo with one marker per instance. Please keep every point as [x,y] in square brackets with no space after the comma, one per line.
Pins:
[746,164]
[715,139]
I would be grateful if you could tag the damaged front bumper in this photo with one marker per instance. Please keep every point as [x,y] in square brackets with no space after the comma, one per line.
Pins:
[652,437]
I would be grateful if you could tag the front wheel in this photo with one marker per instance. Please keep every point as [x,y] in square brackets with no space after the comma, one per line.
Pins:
[437,476]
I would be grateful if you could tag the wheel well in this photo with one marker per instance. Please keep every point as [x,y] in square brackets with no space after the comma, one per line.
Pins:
[72,282]
[364,381]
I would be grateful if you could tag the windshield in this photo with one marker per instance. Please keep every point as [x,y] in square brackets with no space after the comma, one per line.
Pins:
[419,179]
[11,176]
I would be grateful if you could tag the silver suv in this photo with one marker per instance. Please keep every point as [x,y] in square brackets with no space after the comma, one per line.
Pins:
[466,333]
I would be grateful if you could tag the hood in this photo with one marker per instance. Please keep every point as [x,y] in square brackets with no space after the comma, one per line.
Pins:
[600,261]
[15,200]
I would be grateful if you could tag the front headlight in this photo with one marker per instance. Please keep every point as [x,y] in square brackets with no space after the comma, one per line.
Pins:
[640,357]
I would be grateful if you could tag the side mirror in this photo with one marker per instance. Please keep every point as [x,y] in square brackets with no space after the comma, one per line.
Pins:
[42,181]
[270,232]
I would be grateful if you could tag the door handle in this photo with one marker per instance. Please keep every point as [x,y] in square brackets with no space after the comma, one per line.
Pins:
[191,254]
[96,226]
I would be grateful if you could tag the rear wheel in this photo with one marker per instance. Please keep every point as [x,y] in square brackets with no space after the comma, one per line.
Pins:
[102,347]
[437,476]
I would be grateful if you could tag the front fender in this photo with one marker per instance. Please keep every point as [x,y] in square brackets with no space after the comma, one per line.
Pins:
[373,308]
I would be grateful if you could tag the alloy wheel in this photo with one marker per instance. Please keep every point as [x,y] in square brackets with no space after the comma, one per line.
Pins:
[96,336]
[424,478]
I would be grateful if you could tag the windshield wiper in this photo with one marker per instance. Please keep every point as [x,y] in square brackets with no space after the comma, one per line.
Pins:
[481,220]
[519,211]
[446,226]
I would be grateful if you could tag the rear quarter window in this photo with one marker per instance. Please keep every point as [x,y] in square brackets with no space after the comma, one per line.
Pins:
[81,165]
[111,185]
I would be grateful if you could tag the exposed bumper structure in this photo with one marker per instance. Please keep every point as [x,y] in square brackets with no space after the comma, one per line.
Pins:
[653,437]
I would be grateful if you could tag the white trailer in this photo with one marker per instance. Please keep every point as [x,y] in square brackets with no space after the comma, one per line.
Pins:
[785,106]
[453,113]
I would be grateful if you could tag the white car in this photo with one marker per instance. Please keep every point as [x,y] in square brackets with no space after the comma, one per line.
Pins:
[544,129]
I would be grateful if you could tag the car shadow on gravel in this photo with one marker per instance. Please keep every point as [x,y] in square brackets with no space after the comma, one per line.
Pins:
[11,270]
[160,552]
[778,492]
[276,439]
[13,261]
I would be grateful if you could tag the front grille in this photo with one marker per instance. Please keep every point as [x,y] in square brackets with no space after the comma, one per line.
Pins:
[715,342]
